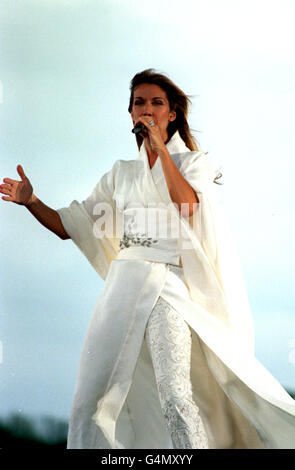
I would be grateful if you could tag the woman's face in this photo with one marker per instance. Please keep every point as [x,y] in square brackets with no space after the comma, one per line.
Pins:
[151,101]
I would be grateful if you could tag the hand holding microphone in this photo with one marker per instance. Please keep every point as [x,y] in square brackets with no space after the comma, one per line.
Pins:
[138,128]
[150,131]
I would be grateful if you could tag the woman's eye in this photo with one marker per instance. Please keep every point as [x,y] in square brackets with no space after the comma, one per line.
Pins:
[140,102]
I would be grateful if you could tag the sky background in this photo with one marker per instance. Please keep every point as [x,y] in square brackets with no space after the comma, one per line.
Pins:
[65,69]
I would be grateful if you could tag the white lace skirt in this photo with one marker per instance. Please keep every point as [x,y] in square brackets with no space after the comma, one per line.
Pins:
[169,342]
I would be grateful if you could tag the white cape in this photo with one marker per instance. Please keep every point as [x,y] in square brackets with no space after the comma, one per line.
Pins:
[241,403]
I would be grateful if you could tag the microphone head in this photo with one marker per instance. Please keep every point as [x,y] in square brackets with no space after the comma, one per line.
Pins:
[138,128]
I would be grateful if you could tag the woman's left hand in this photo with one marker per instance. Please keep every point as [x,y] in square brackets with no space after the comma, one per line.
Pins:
[152,136]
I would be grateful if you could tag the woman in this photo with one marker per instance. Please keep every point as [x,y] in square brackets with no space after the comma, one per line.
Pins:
[168,359]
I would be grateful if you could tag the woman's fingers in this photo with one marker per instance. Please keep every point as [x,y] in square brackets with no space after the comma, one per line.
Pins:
[15,190]
[21,172]
[9,180]
[8,189]
[5,188]
[147,119]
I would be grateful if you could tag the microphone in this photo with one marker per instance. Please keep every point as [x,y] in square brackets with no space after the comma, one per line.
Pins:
[138,128]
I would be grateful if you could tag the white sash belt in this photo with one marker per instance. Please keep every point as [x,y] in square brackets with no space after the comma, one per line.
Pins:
[150,254]
[147,235]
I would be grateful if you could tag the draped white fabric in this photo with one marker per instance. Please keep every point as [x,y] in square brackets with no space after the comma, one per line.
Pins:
[116,404]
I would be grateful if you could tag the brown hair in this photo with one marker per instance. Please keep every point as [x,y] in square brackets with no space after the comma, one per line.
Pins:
[178,102]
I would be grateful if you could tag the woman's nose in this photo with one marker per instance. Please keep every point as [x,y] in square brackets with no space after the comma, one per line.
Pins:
[147,109]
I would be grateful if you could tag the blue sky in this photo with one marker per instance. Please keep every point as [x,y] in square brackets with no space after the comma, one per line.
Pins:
[65,72]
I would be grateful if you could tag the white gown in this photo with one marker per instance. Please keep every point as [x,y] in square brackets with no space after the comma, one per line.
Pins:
[242,405]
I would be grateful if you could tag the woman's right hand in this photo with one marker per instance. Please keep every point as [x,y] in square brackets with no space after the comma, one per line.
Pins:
[20,192]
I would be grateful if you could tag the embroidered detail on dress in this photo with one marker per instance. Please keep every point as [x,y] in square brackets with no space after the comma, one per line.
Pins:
[169,342]
[185,425]
[130,238]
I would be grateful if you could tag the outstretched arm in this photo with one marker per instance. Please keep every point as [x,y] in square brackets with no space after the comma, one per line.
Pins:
[21,192]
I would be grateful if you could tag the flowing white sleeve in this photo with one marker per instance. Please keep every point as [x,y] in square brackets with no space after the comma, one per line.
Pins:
[217,254]
[80,220]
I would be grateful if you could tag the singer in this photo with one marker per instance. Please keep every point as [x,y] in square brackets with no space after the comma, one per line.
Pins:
[168,359]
